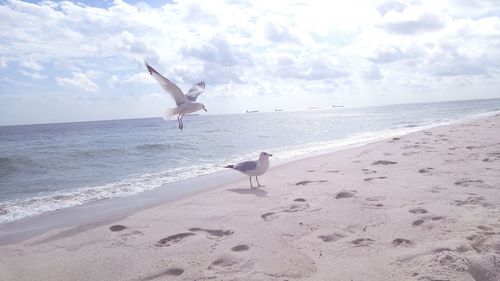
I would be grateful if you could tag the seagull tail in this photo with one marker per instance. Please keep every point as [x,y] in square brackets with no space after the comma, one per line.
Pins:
[167,115]
[229,166]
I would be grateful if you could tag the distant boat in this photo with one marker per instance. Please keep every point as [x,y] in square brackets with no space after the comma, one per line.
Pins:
[313,108]
[252,111]
[278,110]
[333,106]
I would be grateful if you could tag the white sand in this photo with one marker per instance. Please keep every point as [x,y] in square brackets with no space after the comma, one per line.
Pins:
[422,207]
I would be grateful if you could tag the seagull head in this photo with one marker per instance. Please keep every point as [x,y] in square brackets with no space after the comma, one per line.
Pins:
[264,155]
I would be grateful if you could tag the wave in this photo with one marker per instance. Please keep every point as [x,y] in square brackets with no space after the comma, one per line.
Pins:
[12,210]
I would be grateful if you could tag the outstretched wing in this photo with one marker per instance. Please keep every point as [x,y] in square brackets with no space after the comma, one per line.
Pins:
[168,86]
[195,91]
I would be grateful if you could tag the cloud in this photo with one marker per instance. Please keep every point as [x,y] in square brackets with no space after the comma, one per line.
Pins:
[78,80]
[133,79]
[391,5]
[279,33]
[31,64]
[310,67]
[33,75]
[371,73]
[218,50]
[388,54]
[459,69]
[411,22]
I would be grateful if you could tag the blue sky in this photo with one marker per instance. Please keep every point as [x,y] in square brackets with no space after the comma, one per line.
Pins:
[71,61]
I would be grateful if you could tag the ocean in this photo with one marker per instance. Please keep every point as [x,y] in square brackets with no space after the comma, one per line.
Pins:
[48,167]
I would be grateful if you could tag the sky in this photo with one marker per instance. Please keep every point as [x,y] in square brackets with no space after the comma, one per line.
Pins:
[63,61]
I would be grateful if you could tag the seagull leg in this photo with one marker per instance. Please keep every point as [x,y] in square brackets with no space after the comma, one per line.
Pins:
[259,185]
[179,121]
[181,124]
[251,185]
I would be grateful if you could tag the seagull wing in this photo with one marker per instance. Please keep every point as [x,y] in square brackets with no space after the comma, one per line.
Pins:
[246,166]
[195,91]
[168,86]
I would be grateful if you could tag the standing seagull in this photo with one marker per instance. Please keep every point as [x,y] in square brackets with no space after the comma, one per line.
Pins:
[185,103]
[253,168]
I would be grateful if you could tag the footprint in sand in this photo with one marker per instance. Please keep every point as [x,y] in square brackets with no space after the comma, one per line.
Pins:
[173,239]
[345,194]
[401,242]
[299,200]
[384,162]
[130,234]
[418,210]
[469,182]
[230,263]
[478,241]
[224,262]
[290,209]
[368,171]
[425,170]
[213,232]
[437,189]
[374,178]
[485,228]
[418,222]
[306,182]
[473,201]
[240,248]
[362,242]
[375,199]
[437,218]
[331,237]
[117,227]
[174,271]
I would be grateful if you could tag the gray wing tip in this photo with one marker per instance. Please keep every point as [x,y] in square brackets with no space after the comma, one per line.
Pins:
[150,69]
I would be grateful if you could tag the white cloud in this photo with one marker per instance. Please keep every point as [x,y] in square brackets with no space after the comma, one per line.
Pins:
[134,79]
[31,64]
[371,73]
[280,33]
[78,80]
[33,75]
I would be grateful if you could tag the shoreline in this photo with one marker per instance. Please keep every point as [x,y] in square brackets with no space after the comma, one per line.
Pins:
[423,206]
[95,213]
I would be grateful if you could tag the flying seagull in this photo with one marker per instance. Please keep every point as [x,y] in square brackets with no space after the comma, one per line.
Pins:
[253,168]
[185,103]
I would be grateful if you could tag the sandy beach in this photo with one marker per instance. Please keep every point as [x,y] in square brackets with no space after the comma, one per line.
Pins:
[424,206]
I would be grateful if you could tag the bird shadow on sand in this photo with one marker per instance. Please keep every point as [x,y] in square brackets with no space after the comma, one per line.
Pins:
[253,191]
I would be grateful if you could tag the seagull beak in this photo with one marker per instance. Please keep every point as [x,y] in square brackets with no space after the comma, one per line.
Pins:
[269,154]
